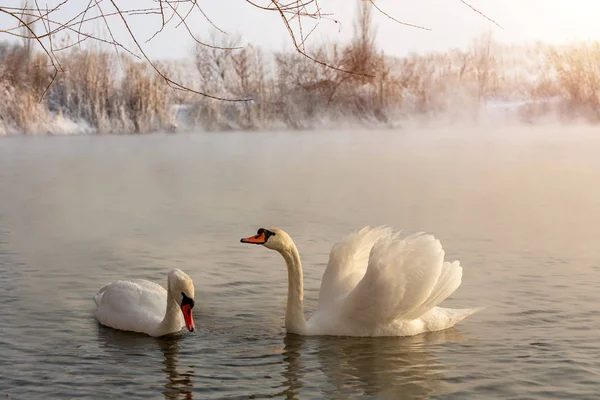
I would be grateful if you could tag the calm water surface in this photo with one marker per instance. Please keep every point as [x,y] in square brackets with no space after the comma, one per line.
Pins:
[519,208]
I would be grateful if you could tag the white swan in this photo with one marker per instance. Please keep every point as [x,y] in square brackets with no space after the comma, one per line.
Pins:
[142,306]
[376,283]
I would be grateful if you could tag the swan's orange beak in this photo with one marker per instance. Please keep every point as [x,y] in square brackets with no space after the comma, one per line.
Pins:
[256,239]
[187,316]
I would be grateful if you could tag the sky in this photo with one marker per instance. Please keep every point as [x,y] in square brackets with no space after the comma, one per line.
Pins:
[452,24]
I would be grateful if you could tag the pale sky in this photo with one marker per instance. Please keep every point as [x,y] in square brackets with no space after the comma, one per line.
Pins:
[452,24]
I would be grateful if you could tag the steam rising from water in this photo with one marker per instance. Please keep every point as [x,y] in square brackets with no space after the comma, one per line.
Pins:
[517,207]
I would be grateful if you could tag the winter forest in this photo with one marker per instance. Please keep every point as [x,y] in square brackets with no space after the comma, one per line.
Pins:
[104,92]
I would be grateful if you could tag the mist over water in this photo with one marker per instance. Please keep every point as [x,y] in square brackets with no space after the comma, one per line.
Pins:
[517,206]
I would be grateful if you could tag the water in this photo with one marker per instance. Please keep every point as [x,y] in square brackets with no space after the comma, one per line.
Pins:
[519,208]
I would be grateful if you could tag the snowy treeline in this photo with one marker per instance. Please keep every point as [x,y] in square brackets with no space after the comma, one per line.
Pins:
[102,92]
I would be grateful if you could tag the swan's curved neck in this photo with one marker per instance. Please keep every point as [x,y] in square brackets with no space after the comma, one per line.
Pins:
[171,321]
[294,314]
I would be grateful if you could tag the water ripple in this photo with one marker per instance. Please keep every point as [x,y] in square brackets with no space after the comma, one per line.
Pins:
[78,213]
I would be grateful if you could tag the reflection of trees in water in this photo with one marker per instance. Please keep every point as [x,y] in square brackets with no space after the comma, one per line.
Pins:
[378,367]
[179,383]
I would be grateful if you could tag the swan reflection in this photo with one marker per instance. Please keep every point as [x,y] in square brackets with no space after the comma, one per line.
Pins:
[126,347]
[293,365]
[384,368]
[179,385]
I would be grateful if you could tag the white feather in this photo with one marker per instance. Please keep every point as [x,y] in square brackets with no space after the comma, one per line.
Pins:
[143,306]
[376,283]
[347,263]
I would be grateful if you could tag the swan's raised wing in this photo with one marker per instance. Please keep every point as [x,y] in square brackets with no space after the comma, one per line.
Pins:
[348,262]
[405,278]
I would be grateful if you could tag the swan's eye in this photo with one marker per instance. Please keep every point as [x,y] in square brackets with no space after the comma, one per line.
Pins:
[187,301]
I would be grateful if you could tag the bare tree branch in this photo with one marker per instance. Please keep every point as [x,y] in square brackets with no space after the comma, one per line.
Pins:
[394,19]
[482,14]
[175,12]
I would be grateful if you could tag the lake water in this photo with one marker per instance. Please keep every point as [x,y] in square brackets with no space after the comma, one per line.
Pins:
[519,208]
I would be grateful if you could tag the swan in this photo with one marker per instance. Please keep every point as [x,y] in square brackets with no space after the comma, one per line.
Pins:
[142,306]
[376,283]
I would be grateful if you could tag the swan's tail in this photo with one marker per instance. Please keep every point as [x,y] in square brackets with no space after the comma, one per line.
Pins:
[449,280]
[457,315]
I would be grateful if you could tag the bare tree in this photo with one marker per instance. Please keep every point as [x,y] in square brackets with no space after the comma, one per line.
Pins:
[294,14]
[361,55]
[577,72]
[112,12]
[484,66]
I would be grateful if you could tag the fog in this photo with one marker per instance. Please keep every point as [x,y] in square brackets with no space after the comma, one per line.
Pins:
[517,207]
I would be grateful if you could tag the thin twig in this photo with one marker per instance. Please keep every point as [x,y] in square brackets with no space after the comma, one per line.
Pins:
[395,20]
[159,72]
[482,14]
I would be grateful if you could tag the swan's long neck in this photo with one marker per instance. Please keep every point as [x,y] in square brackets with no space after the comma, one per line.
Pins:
[294,314]
[172,320]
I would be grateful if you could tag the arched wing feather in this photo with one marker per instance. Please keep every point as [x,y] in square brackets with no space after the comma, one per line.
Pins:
[348,262]
[405,278]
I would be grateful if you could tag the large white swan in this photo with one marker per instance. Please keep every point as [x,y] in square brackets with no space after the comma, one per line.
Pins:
[376,283]
[142,306]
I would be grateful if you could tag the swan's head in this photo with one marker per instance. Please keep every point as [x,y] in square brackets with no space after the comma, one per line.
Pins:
[273,238]
[182,288]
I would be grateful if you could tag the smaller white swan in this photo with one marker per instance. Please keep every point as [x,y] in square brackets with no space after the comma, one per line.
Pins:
[377,283]
[142,306]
